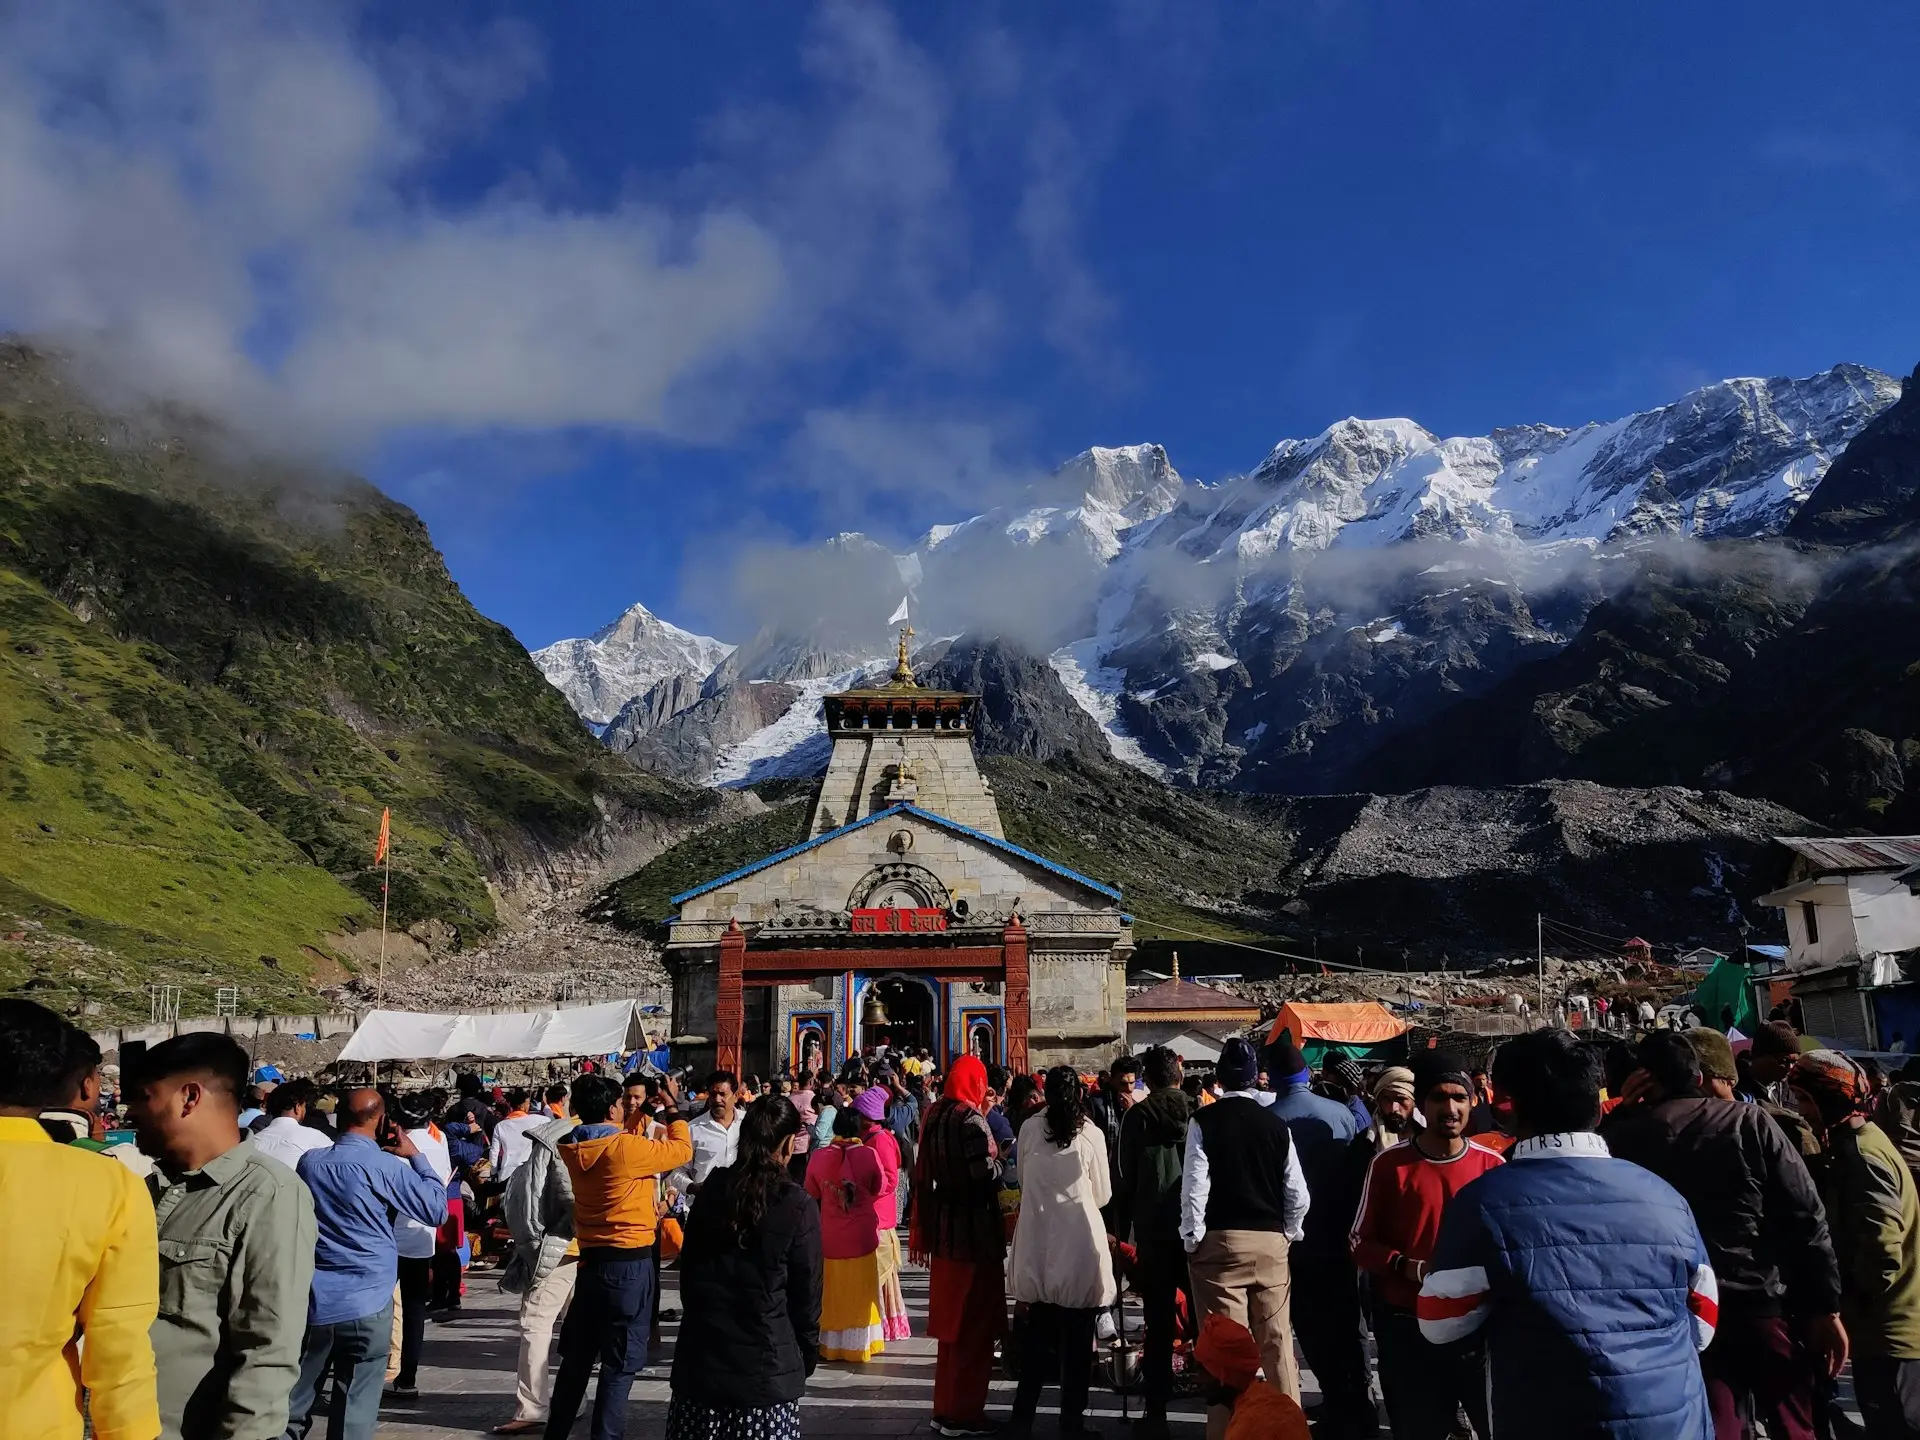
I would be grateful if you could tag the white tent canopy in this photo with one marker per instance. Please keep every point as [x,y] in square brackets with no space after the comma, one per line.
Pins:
[525,1035]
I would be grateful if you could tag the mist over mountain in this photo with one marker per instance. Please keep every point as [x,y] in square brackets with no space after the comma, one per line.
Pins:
[1373,608]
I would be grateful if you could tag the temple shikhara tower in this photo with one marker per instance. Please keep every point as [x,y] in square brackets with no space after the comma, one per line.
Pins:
[905,916]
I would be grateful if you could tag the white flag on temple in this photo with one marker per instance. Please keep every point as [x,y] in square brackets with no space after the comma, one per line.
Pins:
[900,614]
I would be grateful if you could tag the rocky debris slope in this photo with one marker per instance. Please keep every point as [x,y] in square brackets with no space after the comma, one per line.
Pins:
[1463,872]
[556,955]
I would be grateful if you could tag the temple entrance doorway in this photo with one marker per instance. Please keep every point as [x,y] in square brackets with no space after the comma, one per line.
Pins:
[899,1011]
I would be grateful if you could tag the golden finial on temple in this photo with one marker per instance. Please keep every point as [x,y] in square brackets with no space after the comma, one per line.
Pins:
[1176,964]
[903,672]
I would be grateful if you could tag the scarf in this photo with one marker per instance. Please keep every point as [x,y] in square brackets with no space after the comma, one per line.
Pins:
[956,1207]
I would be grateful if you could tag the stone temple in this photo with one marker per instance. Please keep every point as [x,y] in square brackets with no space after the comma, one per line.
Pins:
[905,916]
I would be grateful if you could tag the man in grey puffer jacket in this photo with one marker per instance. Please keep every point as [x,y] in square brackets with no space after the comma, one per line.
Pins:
[538,1206]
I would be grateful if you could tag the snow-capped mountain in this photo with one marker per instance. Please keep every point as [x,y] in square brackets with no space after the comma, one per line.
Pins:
[1273,629]
[1102,496]
[1731,459]
[623,660]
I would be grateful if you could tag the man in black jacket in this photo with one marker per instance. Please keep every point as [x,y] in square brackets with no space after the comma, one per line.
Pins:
[1765,1232]
[1146,1207]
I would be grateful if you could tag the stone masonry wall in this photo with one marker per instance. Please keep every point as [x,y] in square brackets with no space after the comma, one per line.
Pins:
[825,877]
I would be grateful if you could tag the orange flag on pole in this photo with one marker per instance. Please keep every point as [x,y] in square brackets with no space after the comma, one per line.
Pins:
[386,833]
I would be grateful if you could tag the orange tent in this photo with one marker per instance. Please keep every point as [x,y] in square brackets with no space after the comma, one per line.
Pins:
[1349,1027]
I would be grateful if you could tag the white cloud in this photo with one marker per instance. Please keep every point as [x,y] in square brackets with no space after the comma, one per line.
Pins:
[221,214]
[229,204]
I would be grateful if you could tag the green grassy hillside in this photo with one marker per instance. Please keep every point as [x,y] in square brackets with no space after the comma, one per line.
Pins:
[213,676]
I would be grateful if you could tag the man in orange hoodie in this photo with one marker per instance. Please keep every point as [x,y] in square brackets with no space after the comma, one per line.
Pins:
[614,1172]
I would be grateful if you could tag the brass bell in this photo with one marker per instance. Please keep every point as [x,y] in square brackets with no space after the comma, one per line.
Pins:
[873,1012]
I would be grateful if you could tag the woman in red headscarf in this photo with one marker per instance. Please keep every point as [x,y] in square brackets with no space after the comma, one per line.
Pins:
[958,1234]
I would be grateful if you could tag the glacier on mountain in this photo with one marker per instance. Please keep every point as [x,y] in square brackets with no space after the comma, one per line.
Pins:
[1215,632]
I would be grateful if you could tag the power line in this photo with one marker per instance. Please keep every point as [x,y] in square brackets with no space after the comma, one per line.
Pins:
[1266,950]
[1582,929]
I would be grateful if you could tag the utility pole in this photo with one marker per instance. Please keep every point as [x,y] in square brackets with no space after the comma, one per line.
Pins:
[1540,956]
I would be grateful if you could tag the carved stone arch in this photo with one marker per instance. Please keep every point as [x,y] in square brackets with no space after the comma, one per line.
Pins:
[901,885]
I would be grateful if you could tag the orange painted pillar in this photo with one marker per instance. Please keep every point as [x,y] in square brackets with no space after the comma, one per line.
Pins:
[1013,953]
[730,1009]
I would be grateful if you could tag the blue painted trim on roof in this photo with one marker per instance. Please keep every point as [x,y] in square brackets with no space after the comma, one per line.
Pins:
[1053,866]
[1111,892]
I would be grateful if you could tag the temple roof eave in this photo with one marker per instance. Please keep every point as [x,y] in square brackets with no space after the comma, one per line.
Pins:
[1112,892]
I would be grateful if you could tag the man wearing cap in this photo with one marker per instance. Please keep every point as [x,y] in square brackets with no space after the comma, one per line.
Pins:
[1408,1189]
[1875,1214]
[1243,1202]
[1326,1293]
[1395,1116]
[1761,1219]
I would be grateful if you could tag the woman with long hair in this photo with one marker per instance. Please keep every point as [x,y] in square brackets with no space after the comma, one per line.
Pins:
[844,1177]
[1061,1269]
[750,1278]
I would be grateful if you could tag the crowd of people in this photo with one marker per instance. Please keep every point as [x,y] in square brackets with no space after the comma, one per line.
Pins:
[1659,1239]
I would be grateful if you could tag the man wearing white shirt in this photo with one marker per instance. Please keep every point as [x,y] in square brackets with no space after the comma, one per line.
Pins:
[1243,1202]
[414,1240]
[511,1142]
[287,1136]
[716,1134]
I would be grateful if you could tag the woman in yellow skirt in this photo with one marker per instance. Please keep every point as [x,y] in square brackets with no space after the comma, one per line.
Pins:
[846,1179]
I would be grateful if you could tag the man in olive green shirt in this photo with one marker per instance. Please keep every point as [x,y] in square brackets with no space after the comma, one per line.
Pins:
[1873,1211]
[236,1247]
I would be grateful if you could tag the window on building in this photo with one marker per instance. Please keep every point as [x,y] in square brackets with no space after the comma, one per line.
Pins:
[1810,917]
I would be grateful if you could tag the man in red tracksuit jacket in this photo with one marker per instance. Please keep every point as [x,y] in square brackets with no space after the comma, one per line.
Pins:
[1408,1188]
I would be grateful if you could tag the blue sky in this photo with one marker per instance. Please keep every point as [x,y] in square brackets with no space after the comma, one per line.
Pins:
[609,292]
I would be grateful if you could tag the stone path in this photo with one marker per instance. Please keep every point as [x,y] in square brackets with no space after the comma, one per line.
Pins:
[467,1381]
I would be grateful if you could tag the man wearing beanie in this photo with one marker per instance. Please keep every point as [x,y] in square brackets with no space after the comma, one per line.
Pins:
[1243,1201]
[1408,1189]
[1763,1225]
[1326,1291]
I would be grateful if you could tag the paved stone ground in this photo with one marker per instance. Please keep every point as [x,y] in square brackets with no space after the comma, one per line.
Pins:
[467,1381]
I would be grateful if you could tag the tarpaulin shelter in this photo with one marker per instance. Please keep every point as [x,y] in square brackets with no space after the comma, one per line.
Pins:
[522,1035]
[1360,1030]
[1725,998]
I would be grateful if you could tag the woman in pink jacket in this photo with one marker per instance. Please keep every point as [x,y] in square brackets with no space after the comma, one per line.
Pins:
[871,1106]
[845,1178]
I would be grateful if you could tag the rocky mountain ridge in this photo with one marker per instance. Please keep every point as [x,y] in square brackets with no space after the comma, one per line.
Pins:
[1294,628]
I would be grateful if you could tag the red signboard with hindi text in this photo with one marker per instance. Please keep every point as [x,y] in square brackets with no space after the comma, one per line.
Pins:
[891,921]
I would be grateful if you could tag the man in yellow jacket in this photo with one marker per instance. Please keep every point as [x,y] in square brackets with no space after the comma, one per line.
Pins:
[80,1272]
[614,1172]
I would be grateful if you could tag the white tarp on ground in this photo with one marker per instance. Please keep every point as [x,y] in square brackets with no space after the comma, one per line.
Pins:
[526,1035]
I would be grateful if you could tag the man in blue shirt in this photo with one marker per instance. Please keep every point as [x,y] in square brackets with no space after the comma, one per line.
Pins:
[360,1185]
[1326,1290]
